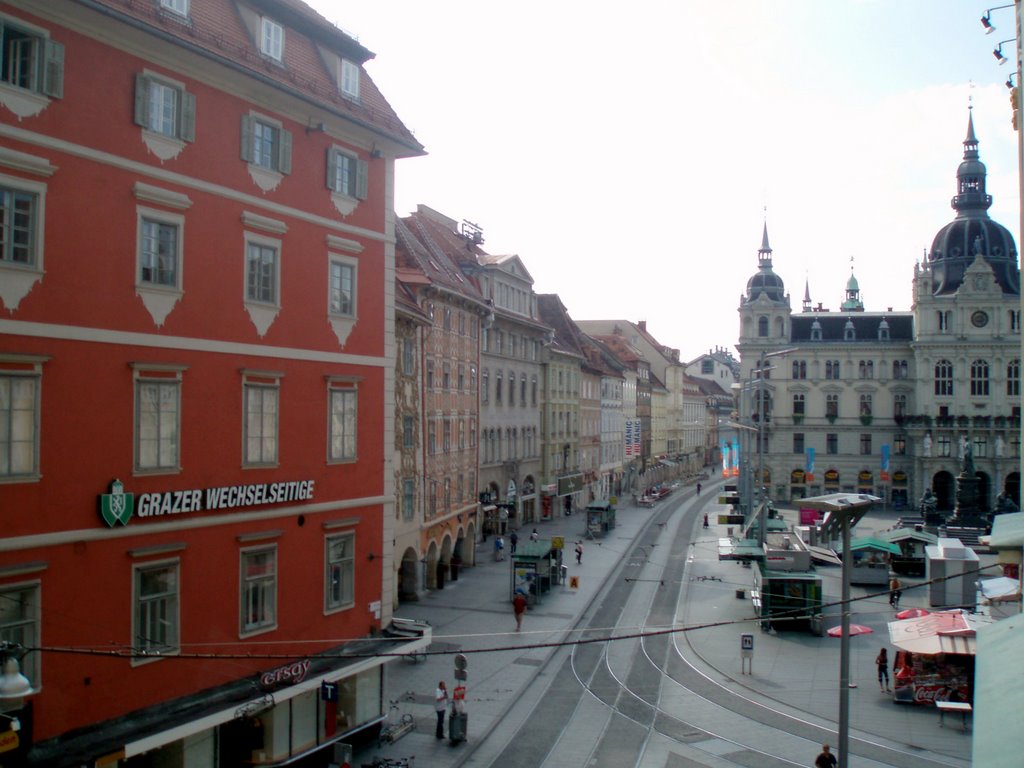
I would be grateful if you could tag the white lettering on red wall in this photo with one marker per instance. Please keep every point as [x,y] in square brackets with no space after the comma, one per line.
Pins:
[225,497]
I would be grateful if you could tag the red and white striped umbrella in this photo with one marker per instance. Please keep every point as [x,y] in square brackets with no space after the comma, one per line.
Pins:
[855,629]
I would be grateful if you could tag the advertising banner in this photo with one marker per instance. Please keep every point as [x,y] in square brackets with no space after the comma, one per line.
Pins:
[809,469]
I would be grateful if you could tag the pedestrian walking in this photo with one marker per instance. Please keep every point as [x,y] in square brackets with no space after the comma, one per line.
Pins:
[826,759]
[698,489]
[534,535]
[440,706]
[882,662]
[513,539]
[579,552]
[705,519]
[499,548]
[519,606]
[895,592]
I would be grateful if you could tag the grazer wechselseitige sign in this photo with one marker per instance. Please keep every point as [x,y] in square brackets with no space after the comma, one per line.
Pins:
[118,507]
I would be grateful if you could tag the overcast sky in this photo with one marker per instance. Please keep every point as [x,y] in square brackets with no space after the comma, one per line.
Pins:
[627,151]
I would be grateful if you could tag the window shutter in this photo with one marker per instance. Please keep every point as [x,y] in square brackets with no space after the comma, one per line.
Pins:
[284,151]
[188,116]
[142,100]
[362,179]
[332,170]
[53,69]
[247,138]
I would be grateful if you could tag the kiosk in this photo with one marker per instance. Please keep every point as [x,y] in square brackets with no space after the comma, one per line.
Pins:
[871,560]
[536,565]
[600,518]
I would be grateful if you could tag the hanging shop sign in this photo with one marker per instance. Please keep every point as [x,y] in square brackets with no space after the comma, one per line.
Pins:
[118,507]
[286,674]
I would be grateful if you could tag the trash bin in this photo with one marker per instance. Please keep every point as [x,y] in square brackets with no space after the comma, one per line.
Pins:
[457,724]
[817,625]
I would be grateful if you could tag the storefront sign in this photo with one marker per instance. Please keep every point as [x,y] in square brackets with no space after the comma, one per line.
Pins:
[569,485]
[899,478]
[831,477]
[117,507]
[796,477]
[289,674]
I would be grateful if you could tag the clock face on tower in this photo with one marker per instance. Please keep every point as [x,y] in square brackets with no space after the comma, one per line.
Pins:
[979,319]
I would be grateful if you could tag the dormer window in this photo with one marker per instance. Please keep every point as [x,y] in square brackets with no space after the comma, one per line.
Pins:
[849,334]
[349,79]
[271,39]
[815,331]
[180,7]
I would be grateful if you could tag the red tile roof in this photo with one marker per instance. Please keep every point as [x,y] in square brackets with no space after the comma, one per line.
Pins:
[216,29]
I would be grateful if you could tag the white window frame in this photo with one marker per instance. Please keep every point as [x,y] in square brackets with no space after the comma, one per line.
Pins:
[21,425]
[347,174]
[348,79]
[26,94]
[170,642]
[165,219]
[274,159]
[20,611]
[18,278]
[339,573]
[261,616]
[343,421]
[169,121]
[263,245]
[179,7]
[271,39]
[166,380]
[268,438]
[337,266]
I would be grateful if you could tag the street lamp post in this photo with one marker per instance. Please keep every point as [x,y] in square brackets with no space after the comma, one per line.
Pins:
[843,511]
[761,418]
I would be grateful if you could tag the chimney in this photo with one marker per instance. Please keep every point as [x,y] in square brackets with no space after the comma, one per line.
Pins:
[642,324]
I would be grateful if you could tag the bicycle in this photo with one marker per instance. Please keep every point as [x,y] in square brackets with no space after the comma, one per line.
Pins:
[398,723]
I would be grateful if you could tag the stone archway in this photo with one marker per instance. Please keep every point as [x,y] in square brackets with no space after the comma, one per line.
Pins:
[443,562]
[430,574]
[944,488]
[468,545]
[409,575]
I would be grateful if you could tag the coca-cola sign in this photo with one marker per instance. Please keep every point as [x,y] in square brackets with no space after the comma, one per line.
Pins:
[929,694]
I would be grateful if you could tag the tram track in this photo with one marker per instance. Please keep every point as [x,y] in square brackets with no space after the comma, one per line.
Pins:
[627,701]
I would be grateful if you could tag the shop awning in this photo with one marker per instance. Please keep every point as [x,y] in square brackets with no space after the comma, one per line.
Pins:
[739,549]
[940,632]
[407,638]
[824,555]
[1000,589]
[869,542]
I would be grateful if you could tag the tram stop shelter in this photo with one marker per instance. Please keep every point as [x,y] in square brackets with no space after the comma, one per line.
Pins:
[600,518]
[535,567]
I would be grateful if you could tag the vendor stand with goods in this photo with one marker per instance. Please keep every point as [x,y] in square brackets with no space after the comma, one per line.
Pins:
[935,660]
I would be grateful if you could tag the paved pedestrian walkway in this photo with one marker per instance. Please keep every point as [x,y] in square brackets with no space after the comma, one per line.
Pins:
[795,672]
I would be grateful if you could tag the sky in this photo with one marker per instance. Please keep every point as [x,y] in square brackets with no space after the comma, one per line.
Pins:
[631,153]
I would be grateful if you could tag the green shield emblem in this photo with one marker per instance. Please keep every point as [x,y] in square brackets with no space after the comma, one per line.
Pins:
[117,506]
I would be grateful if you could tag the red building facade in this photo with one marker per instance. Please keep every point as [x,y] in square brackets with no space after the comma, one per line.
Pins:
[196,361]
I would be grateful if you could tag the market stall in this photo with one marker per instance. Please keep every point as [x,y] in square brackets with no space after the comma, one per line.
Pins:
[871,560]
[935,657]
[912,542]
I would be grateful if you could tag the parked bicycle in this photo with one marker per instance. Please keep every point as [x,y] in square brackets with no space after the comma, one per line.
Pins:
[398,723]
